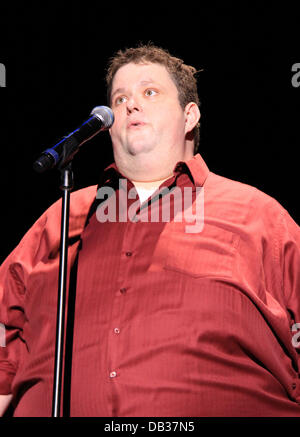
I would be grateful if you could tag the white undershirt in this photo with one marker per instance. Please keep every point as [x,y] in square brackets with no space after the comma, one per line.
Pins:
[145,193]
[146,189]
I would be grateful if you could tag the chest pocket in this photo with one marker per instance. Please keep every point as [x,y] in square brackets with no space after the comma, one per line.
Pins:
[208,253]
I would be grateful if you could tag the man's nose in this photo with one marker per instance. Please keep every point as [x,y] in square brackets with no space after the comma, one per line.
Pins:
[133,105]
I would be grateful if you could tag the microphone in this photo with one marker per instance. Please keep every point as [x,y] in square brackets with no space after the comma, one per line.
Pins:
[101,118]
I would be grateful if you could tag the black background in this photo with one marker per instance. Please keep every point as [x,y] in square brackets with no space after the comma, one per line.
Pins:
[55,58]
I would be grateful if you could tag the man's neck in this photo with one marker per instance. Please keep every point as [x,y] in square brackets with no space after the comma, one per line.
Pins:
[147,188]
[150,169]
[150,185]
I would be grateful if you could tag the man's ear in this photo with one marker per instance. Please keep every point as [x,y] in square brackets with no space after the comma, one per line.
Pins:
[192,116]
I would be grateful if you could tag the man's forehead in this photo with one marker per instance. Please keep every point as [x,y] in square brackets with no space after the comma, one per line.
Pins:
[143,73]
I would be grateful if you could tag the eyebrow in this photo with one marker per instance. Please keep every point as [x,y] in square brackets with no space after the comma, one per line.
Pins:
[122,90]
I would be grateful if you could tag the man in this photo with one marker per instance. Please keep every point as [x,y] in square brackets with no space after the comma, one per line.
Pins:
[171,317]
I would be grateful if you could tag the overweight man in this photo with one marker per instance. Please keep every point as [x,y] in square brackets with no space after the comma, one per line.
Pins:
[186,298]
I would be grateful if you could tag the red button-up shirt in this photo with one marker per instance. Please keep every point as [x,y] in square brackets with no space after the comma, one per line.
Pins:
[166,322]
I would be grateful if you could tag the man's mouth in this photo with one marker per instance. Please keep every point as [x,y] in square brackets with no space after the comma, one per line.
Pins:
[135,124]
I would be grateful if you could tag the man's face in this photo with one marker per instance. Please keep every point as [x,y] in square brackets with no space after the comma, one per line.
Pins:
[148,115]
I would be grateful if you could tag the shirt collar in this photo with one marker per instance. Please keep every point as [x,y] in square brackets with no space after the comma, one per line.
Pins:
[195,167]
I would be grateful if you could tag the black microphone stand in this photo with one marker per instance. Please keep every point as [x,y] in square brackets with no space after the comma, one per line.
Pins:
[66,186]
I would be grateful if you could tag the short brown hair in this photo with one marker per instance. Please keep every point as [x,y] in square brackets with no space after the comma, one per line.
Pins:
[183,75]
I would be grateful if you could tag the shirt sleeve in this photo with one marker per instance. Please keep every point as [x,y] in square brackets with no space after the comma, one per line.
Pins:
[271,267]
[289,262]
[42,240]
[13,278]
[285,236]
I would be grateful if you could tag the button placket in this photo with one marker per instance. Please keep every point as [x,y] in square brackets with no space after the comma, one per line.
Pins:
[116,315]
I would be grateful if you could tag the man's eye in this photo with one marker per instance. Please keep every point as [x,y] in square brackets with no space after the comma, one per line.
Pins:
[150,92]
[120,100]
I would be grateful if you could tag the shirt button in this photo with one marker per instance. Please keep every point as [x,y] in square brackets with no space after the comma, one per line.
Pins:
[113,374]
[128,253]
[123,290]
[117,331]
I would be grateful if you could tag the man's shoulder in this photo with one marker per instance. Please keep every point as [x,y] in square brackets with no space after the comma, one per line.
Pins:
[230,188]
[43,237]
[81,200]
[241,198]
[80,203]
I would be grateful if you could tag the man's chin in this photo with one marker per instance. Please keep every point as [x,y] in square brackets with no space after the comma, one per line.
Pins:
[139,148]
